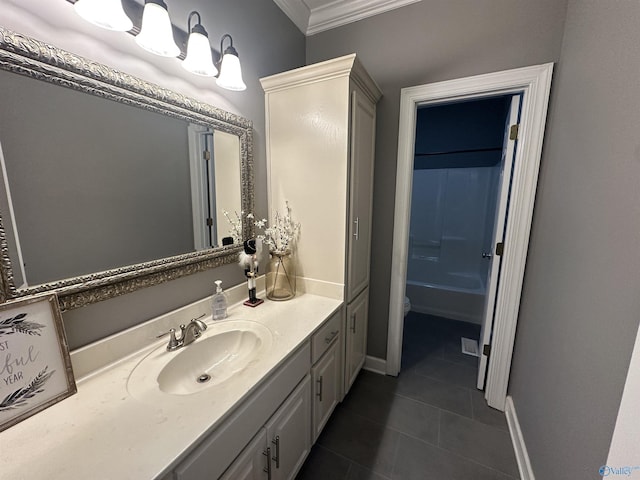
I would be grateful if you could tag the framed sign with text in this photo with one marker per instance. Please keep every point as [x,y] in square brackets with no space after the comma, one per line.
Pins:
[35,367]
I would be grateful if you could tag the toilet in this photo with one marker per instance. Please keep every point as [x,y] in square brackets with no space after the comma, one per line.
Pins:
[407,305]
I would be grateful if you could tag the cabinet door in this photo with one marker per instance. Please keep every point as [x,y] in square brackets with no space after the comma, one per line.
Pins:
[356,338]
[363,126]
[326,379]
[289,433]
[253,462]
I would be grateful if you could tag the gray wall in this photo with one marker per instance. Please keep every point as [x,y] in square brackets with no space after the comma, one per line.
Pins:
[429,41]
[579,310]
[267,42]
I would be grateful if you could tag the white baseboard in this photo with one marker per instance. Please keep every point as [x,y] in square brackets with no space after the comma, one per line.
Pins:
[375,365]
[522,457]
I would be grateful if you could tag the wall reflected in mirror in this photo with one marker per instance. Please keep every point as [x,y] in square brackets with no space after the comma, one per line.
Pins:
[90,184]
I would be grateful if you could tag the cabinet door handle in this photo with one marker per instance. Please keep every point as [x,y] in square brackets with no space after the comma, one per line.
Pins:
[357,232]
[331,336]
[267,469]
[319,394]
[276,442]
[353,323]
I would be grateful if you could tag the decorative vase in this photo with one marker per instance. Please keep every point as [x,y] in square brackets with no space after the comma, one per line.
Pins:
[281,277]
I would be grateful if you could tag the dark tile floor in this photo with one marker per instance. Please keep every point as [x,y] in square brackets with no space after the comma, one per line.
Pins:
[428,423]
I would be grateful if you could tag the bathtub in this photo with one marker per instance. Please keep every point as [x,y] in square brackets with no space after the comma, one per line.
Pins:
[454,295]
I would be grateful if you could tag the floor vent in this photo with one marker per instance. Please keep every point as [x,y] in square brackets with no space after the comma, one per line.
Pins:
[470,347]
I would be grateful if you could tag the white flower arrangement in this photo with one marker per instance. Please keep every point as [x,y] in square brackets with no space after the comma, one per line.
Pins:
[279,238]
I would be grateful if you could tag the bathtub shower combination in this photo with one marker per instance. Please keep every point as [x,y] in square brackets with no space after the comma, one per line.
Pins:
[451,226]
[457,166]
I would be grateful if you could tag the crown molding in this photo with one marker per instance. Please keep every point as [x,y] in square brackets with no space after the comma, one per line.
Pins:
[342,12]
[334,68]
[335,13]
[297,11]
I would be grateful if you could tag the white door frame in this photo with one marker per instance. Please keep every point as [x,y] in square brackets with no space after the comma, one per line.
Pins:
[199,185]
[534,83]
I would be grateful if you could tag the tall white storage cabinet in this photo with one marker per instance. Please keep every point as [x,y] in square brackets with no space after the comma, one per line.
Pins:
[321,123]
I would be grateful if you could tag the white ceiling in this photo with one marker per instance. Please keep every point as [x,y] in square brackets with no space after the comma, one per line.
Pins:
[313,16]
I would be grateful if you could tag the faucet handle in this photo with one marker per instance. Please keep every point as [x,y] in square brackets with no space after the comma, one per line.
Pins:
[174,344]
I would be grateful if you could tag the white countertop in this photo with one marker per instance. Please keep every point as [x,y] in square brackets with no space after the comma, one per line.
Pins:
[103,432]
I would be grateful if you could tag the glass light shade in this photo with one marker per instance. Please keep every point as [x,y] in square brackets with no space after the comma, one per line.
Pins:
[107,14]
[198,58]
[231,73]
[156,35]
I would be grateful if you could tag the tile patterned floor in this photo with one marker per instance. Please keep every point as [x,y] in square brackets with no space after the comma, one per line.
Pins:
[428,423]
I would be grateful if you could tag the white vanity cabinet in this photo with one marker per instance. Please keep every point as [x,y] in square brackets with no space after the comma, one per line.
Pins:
[279,449]
[281,406]
[320,123]
[289,433]
[269,436]
[219,431]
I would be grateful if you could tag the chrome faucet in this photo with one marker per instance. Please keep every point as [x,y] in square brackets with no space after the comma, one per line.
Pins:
[188,334]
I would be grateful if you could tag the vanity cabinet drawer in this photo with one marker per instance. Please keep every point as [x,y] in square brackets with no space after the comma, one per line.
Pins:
[323,338]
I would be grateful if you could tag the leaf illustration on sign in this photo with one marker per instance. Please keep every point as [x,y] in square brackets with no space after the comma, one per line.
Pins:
[18,324]
[19,397]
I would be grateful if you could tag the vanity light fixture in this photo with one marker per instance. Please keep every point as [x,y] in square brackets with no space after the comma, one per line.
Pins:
[156,36]
[230,76]
[156,33]
[107,14]
[198,59]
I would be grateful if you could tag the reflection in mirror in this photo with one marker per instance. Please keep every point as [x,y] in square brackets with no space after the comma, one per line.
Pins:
[95,184]
[110,183]
[215,184]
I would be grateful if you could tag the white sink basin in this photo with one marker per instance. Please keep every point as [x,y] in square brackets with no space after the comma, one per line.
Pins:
[223,352]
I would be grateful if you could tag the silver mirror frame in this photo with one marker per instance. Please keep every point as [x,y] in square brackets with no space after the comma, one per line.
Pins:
[26,56]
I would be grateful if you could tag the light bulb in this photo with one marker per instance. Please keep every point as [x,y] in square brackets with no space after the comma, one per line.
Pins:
[231,72]
[198,59]
[156,34]
[107,14]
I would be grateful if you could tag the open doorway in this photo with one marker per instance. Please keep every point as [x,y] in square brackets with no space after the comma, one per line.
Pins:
[532,85]
[463,160]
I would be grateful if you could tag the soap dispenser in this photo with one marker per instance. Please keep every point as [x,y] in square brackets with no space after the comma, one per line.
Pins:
[219,302]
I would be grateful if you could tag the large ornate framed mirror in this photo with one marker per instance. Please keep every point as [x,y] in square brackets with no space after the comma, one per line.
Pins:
[110,183]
